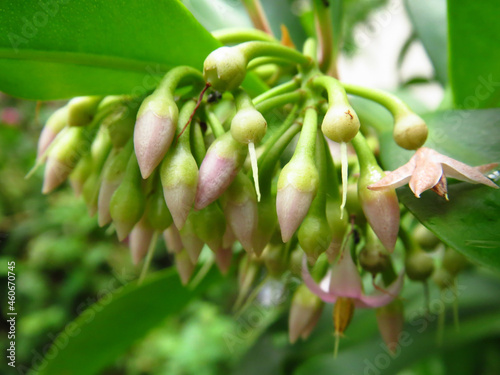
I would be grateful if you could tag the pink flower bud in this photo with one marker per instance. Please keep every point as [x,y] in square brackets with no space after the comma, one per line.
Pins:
[240,209]
[266,223]
[305,311]
[297,186]
[172,239]
[223,259]
[219,168]
[390,322]
[184,266]
[381,208]
[154,131]
[190,240]
[140,239]
[56,122]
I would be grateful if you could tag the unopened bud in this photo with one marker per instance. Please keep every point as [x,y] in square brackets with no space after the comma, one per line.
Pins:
[225,68]
[410,131]
[240,209]
[297,186]
[127,203]
[266,223]
[305,311]
[275,258]
[223,259]
[179,178]
[82,109]
[112,176]
[189,236]
[425,238]
[373,257]
[80,174]
[154,131]
[172,239]
[390,322]
[341,123]
[157,213]
[381,208]
[210,226]
[314,235]
[140,239]
[338,227]
[248,125]
[219,168]
[56,122]
[120,126]
[419,266]
[454,262]
[184,266]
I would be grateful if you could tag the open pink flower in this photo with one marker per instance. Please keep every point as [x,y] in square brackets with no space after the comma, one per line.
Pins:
[345,282]
[428,169]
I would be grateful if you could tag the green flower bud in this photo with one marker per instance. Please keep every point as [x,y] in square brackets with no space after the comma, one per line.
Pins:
[82,109]
[248,125]
[314,235]
[410,131]
[128,202]
[454,262]
[184,266]
[373,257]
[275,259]
[157,213]
[266,223]
[390,320]
[425,238]
[225,68]
[443,278]
[120,126]
[190,239]
[80,174]
[419,265]
[112,176]
[210,225]
[341,123]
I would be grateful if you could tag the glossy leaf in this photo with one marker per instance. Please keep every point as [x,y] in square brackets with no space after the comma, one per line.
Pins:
[109,327]
[470,221]
[429,20]
[53,50]
[474,36]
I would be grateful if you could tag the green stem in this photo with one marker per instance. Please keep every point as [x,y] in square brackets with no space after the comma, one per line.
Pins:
[257,15]
[236,35]
[280,101]
[306,146]
[274,137]
[365,155]
[242,99]
[324,32]
[395,105]
[174,77]
[278,90]
[184,115]
[260,61]
[318,205]
[198,144]
[334,89]
[214,123]
[252,50]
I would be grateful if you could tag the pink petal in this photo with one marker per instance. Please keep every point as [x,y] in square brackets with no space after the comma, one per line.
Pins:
[382,299]
[345,280]
[396,178]
[427,172]
[463,172]
[313,286]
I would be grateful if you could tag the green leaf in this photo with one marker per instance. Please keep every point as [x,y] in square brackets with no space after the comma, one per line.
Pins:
[429,21]
[53,50]
[470,221]
[474,37]
[106,329]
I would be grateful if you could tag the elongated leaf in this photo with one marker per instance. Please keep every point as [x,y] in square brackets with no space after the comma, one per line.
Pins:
[470,221]
[59,49]
[429,20]
[108,328]
[474,37]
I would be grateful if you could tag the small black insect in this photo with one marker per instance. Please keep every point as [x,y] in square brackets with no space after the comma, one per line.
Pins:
[214,97]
